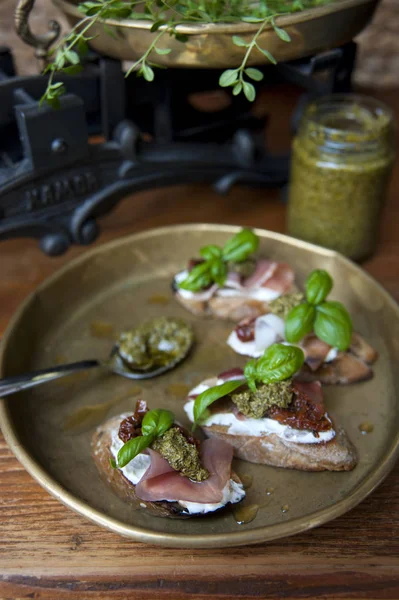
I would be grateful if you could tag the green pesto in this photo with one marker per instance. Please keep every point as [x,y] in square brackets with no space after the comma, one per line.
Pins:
[157,342]
[180,454]
[284,304]
[340,169]
[245,268]
[255,404]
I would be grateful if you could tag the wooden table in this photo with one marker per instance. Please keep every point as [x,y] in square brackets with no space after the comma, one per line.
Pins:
[46,551]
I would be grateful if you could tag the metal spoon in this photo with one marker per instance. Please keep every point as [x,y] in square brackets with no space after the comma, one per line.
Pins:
[115,364]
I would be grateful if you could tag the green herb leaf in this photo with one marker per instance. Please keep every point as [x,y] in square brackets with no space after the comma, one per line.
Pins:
[73,69]
[198,278]
[237,88]
[254,74]
[157,25]
[238,41]
[318,285]
[72,57]
[282,34]
[181,37]
[279,362]
[251,374]
[211,252]
[113,464]
[162,51]
[156,422]
[207,398]
[219,272]
[249,91]
[299,322]
[228,77]
[148,73]
[241,246]
[268,54]
[132,448]
[333,325]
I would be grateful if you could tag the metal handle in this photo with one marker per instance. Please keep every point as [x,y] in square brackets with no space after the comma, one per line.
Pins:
[12,385]
[41,43]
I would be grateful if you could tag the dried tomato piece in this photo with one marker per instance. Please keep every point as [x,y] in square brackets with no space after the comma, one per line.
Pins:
[131,426]
[246,330]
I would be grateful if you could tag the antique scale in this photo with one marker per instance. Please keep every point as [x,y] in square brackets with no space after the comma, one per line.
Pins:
[54,183]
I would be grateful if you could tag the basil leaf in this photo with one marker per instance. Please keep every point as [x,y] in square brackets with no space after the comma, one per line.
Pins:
[132,448]
[156,422]
[318,285]
[299,322]
[198,278]
[241,246]
[250,374]
[333,325]
[279,362]
[211,252]
[211,395]
[219,272]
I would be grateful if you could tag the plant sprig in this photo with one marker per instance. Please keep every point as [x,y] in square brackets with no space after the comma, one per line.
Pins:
[329,320]
[213,268]
[279,362]
[165,15]
[155,423]
[235,77]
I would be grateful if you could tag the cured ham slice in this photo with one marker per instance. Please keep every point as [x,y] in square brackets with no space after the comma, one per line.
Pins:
[263,272]
[282,278]
[315,351]
[161,482]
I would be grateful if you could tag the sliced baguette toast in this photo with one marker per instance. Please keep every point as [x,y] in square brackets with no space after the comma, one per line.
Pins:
[121,486]
[338,454]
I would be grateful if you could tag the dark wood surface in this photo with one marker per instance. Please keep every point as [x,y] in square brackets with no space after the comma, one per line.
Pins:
[46,551]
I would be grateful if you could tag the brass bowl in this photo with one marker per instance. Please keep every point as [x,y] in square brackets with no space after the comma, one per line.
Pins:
[211,45]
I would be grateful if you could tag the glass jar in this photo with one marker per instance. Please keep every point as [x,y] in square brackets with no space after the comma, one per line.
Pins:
[341,163]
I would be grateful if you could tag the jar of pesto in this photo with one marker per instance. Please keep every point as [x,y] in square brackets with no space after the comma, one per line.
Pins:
[341,163]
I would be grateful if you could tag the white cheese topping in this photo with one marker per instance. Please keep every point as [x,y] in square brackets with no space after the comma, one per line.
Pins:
[232,492]
[263,294]
[260,427]
[269,329]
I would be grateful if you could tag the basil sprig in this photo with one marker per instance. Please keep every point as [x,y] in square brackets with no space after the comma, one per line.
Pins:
[155,423]
[329,320]
[214,268]
[279,362]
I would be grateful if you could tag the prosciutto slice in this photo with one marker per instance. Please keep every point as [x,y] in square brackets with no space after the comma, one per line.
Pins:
[161,482]
[315,351]
[313,393]
[264,271]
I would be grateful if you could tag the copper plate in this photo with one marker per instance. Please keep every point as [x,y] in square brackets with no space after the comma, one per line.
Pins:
[124,282]
[211,45]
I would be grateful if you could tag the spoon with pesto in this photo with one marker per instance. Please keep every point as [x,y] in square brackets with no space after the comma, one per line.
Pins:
[147,351]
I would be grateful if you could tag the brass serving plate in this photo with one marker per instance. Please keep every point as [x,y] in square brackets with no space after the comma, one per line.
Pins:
[128,280]
[211,45]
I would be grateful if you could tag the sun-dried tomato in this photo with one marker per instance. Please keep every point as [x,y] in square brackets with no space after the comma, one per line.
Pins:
[131,426]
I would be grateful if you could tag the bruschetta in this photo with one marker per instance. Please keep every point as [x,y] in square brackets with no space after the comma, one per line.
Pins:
[228,288]
[323,362]
[298,435]
[200,482]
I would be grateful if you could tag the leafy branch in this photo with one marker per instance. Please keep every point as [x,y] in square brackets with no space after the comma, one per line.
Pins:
[235,77]
[165,15]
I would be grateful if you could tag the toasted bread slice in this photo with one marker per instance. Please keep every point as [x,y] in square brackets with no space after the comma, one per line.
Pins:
[125,489]
[232,308]
[338,454]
